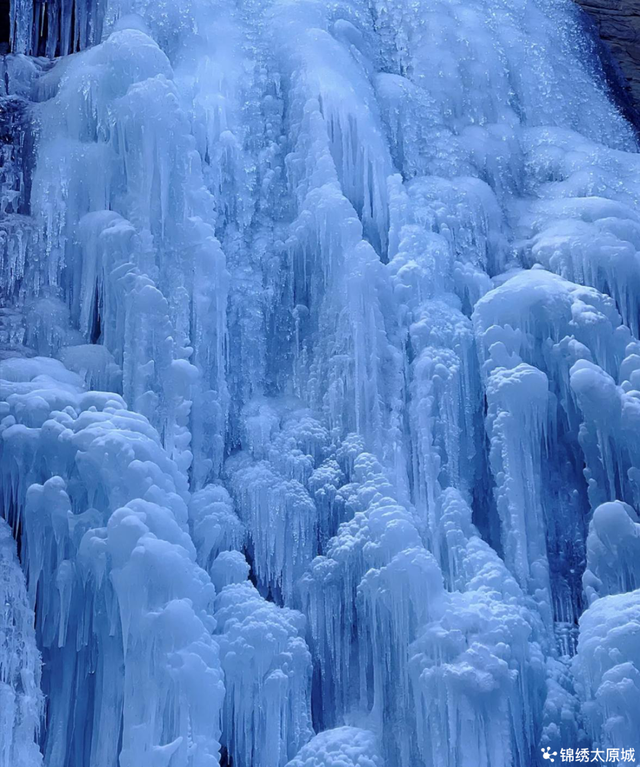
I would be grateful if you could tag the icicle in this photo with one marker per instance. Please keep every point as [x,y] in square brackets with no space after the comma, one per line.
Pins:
[214,524]
[613,547]
[272,509]
[607,671]
[122,605]
[21,701]
[267,670]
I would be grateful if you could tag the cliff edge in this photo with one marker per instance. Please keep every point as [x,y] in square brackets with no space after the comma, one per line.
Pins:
[618,24]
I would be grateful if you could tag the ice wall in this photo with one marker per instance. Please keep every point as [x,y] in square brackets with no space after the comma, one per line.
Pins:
[121,604]
[20,695]
[318,385]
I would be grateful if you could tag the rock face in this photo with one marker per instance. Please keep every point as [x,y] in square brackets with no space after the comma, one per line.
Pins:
[618,23]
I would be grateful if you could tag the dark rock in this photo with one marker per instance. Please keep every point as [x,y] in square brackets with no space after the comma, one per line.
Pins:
[618,25]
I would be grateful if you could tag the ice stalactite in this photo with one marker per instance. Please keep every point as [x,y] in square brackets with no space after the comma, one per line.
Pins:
[607,671]
[610,452]
[517,400]
[606,666]
[544,333]
[214,525]
[267,665]
[121,602]
[379,529]
[54,29]
[612,549]
[21,699]
[269,505]
[582,228]
[479,667]
[151,284]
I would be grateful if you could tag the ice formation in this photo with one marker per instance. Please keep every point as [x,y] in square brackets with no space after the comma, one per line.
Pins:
[342,747]
[319,386]
[20,694]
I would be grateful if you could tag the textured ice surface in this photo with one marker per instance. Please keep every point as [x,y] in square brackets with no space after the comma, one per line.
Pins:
[319,386]
[20,696]
[342,747]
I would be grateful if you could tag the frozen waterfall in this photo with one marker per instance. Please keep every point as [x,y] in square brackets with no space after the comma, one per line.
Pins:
[319,386]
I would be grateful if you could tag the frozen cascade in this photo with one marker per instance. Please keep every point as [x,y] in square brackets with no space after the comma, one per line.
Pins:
[319,386]
[606,669]
[20,693]
[110,565]
[267,667]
